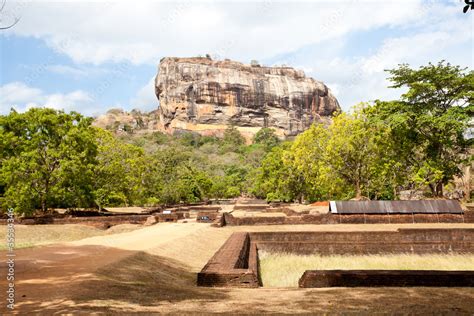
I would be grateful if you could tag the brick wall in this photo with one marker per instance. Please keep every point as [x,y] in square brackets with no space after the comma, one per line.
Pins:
[352,278]
[235,264]
[328,218]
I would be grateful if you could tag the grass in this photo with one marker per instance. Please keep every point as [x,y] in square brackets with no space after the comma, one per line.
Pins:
[34,235]
[285,269]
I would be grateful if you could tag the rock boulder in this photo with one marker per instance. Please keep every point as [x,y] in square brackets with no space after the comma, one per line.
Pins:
[203,95]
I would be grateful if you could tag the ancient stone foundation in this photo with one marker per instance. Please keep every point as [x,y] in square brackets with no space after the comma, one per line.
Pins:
[352,278]
[294,218]
[235,264]
[95,221]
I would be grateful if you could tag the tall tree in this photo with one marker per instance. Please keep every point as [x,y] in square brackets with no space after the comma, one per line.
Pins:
[430,119]
[277,179]
[46,159]
[357,158]
[119,172]
[266,137]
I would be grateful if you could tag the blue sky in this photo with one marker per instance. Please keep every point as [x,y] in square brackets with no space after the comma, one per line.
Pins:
[96,55]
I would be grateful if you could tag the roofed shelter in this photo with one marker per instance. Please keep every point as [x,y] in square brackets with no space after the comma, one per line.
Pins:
[396,207]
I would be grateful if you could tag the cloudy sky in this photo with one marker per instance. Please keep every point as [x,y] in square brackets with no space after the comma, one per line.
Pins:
[90,56]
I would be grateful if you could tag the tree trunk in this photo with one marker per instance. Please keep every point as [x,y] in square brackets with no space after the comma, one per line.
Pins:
[433,189]
[358,191]
[439,189]
[43,205]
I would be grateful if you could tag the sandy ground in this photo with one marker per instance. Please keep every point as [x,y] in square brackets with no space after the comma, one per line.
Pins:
[153,270]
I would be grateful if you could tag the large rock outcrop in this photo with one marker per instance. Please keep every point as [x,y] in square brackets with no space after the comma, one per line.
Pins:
[203,95]
[120,121]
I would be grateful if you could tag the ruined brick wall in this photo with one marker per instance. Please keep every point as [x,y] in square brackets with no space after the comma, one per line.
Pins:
[232,265]
[95,221]
[328,218]
[235,264]
[207,216]
[371,242]
[352,278]
[245,207]
[169,217]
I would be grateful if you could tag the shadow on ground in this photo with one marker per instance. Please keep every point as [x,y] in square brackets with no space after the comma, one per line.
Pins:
[146,280]
[81,279]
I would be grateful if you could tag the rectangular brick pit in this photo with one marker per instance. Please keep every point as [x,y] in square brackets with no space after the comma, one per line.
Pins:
[235,264]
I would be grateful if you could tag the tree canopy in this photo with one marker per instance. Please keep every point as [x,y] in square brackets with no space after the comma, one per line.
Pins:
[47,159]
[430,119]
[52,159]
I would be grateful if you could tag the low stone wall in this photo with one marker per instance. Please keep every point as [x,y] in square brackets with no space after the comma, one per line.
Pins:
[207,216]
[367,242]
[235,264]
[96,221]
[294,218]
[206,208]
[169,217]
[373,278]
[245,207]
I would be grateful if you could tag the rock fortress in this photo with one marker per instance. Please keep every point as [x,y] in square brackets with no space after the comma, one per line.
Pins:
[203,95]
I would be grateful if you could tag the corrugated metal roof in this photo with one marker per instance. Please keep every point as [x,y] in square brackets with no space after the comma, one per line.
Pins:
[395,207]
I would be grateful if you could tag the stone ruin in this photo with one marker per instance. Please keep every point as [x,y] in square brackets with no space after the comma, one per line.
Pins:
[235,264]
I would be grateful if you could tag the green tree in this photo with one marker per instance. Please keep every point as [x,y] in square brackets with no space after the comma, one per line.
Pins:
[429,120]
[46,159]
[277,179]
[232,139]
[120,172]
[309,152]
[266,137]
[357,158]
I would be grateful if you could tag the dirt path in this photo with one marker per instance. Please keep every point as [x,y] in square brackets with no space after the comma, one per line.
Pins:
[153,270]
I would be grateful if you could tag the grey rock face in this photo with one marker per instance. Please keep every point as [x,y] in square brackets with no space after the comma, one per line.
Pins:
[201,94]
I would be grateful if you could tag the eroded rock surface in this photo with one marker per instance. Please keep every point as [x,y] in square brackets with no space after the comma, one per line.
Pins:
[200,94]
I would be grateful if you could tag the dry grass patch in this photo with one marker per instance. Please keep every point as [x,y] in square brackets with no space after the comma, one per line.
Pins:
[285,269]
[35,235]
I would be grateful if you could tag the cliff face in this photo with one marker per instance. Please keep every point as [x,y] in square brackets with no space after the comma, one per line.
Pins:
[203,95]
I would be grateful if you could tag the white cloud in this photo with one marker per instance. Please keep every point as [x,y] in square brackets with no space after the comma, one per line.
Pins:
[21,97]
[78,72]
[99,32]
[441,34]
[145,98]
[143,32]
[17,92]
[67,70]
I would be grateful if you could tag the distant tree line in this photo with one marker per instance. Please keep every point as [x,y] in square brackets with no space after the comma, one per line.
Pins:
[51,159]
[379,149]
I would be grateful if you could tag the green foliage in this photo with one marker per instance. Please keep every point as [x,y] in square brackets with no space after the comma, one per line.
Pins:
[232,139]
[47,159]
[413,142]
[429,121]
[267,138]
[52,159]
[119,172]
[278,179]
[341,161]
